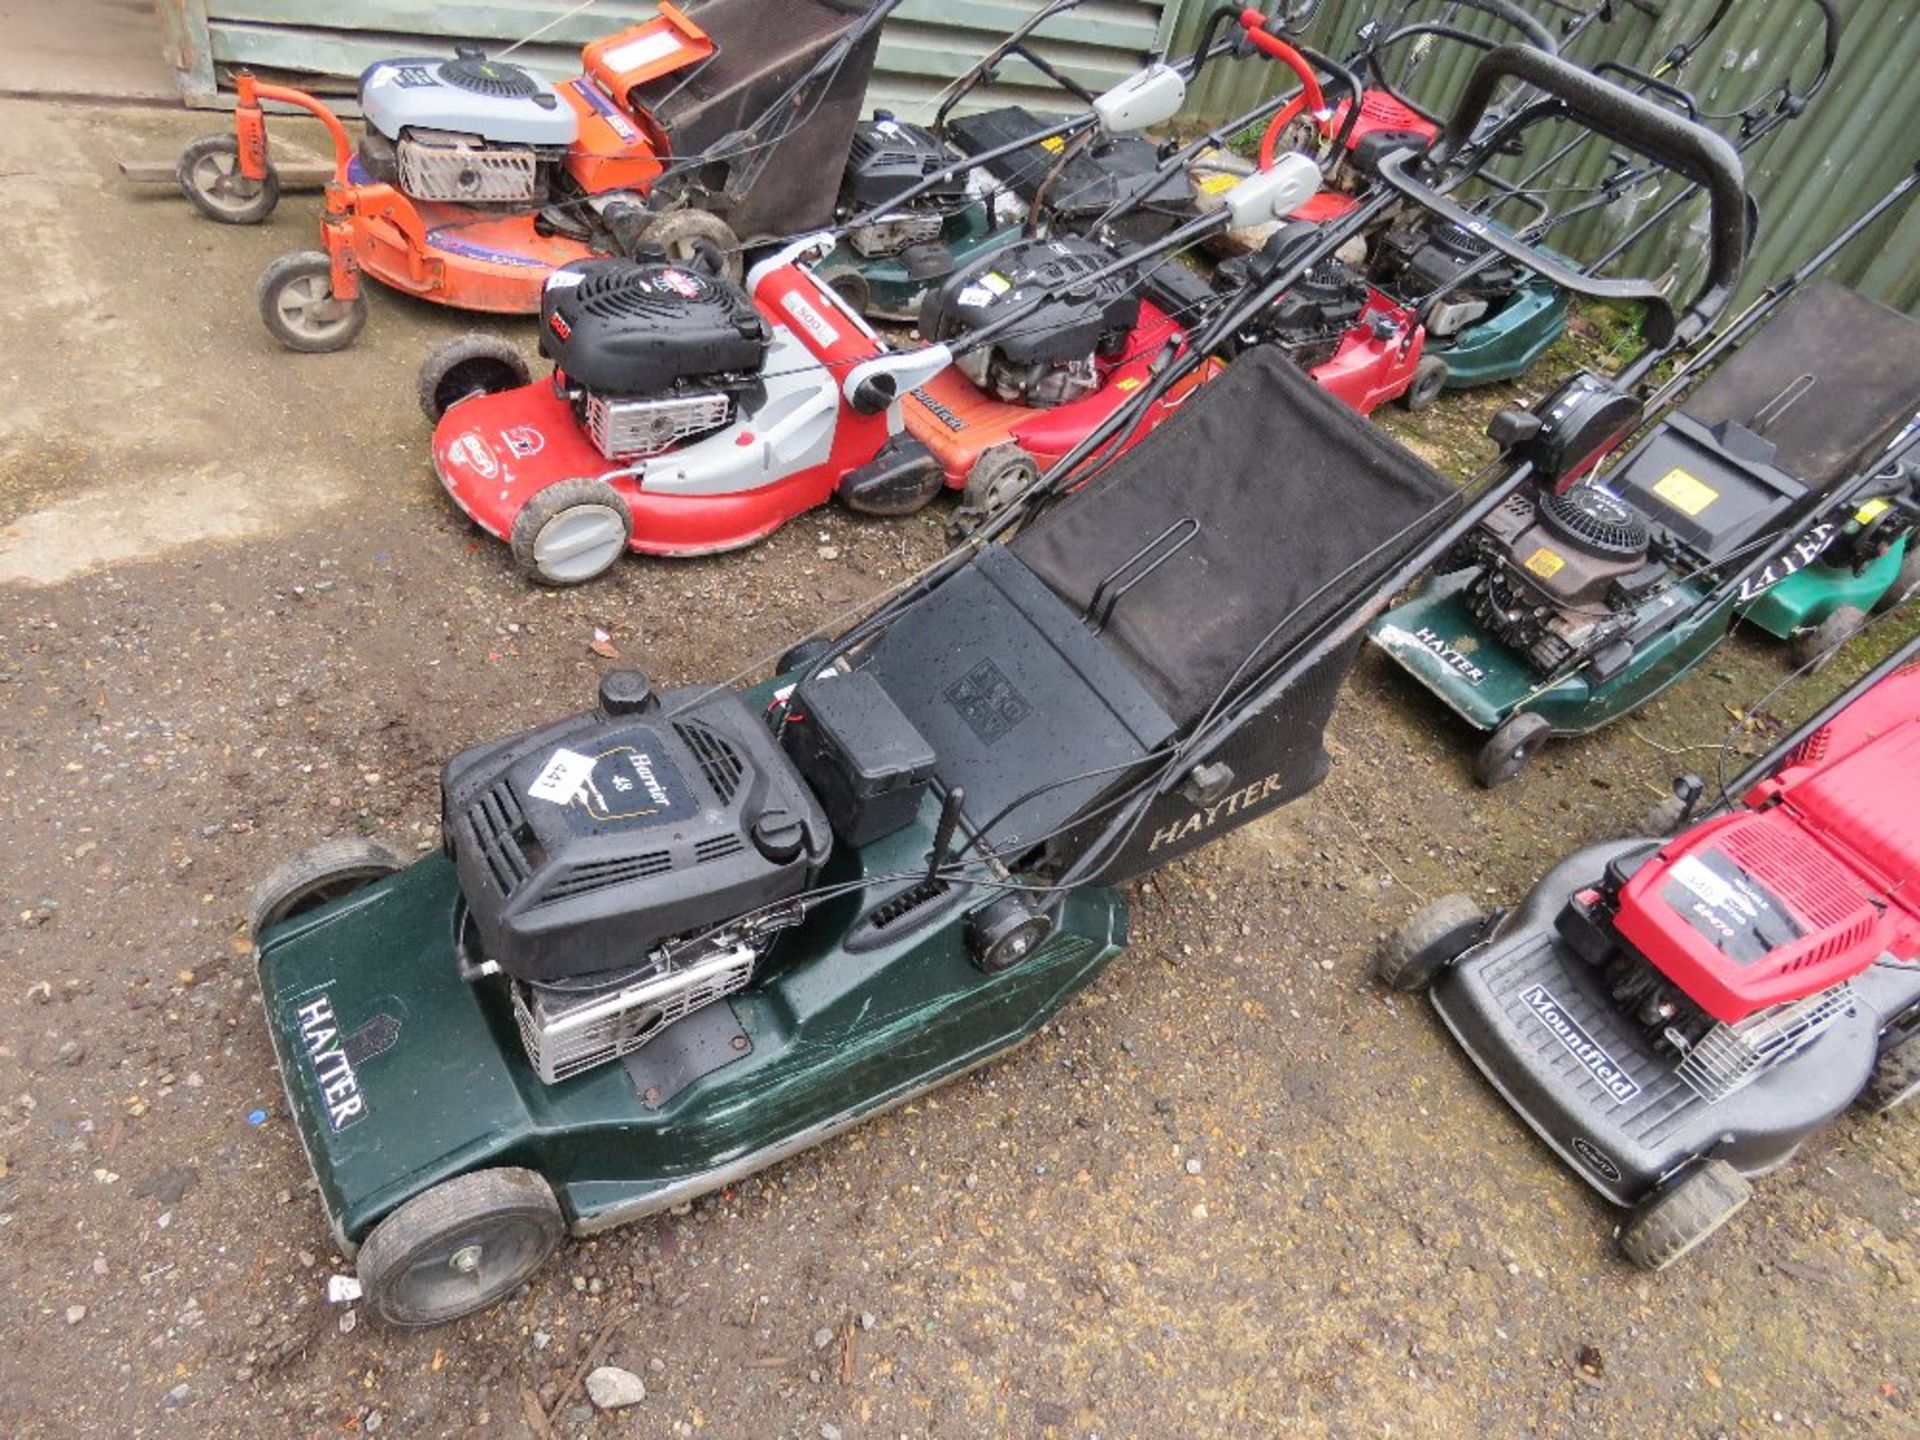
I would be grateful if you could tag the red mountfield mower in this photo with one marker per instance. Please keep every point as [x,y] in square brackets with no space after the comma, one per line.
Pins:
[1675,1016]
[688,415]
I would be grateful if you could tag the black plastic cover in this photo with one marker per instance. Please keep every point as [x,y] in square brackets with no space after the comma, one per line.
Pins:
[1114,169]
[1094,318]
[582,846]
[889,157]
[862,756]
[626,327]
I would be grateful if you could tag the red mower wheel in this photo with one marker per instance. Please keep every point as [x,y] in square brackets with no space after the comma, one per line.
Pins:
[571,533]
[209,176]
[299,309]
[466,366]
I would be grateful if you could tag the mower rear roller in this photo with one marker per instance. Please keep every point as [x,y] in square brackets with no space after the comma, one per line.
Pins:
[1511,748]
[458,1247]
[470,365]
[209,176]
[1667,1228]
[1812,649]
[299,308]
[1428,384]
[571,533]
[1436,935]
[316,876]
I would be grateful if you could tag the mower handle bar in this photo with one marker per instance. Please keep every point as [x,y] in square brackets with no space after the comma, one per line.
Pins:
[1632,120]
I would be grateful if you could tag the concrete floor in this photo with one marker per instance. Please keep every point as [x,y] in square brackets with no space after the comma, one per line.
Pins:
[108,48]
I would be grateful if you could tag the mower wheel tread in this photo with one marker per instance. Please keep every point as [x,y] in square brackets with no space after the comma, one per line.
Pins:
[1428,384]
[301,268]
[1896,1077]
[1813,648]
[316,875]
[202,174]
[1511,748]
[468,365]
[459,1247]
[1000,476]
[530,537]
[1675,1222]
[679,232]
[1436,935]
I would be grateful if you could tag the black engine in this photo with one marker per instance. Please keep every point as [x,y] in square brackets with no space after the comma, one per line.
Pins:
[1053,356]
[888,159]
[1311,318]
[1561,575]
[652,353]
[586,847]
[1422,259]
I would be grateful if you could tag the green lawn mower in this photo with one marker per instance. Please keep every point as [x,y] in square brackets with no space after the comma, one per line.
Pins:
[1783,489]
[688,933]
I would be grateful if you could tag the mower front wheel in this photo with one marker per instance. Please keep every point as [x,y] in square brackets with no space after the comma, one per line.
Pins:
[313,877]
[1813,648]
[299,307]
[998,478]
[1428,384]
[459,1247]
[1432,938]
[571,533]
[470,365]
[1511,748]
[209,176]
[681,234]
[852,287]
[1679,1219]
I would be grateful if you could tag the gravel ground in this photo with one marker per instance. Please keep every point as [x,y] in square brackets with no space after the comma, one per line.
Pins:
[1234,1190]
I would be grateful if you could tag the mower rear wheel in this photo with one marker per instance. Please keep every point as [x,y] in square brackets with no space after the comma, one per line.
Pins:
[1006,931]
[1432,938]
[1511,748]
[1679,1219]
[1428,384]
[572,532]
[315,876]
[998,478]
[1896,1077]
[470,365]
[209,176]
[1906,582]
[852,287]
[1812,649]
[459,1247]
[298,304]
[680,233]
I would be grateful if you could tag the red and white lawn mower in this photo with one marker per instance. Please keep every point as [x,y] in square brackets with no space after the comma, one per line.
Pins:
[688,415]
[1673,1016]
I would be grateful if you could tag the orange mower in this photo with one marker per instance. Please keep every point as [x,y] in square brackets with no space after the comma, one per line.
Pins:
[474,178]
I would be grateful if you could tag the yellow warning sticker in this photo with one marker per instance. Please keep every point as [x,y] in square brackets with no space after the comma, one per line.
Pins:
[1219,184]
[1131,383]
[1546,563]
[1687,493]
[996,282]
[1053,144]
[1871,511]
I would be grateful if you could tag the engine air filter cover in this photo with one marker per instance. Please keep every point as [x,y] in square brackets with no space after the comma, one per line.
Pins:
[622,327]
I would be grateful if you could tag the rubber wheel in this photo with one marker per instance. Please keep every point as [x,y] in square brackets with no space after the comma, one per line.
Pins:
[1428,384]
[1677,1220]
[313,877]
[1812,649]
[470,365]
[459,1247]
[209,176]
[1432,938]
[1005,932]
[1511,748]
[1896,1077]
[1906,581]
[679,233]
[1664,817]
[851,286]
[572,532]
[298,306]
[998,478]
[802,656]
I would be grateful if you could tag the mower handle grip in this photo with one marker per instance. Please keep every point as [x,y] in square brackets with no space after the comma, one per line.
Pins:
[1632,120]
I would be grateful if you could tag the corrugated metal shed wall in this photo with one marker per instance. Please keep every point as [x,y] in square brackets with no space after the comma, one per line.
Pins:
[1859,136]
[327,43]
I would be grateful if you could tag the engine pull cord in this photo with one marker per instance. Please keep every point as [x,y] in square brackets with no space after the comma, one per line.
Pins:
[557,20]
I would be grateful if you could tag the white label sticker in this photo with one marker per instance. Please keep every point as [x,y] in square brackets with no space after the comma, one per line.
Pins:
[810,319]
[642,50]
[564,279]
[1691,872]
[563,779]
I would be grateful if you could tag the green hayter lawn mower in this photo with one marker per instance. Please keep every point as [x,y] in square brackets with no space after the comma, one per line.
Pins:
[691,932]
[1784,490]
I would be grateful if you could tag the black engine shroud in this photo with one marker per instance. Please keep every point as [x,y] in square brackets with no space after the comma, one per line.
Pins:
[584,845]
[889,157]
[624,327]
